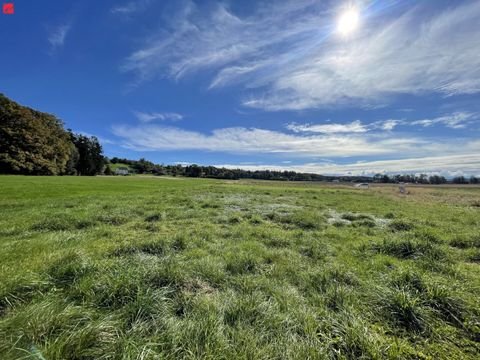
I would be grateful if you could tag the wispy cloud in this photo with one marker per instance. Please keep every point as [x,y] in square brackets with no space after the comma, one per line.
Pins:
[239,140]
[289,58]
[457,120]
[149,117]
[57,35]
[353,127]
[131,7]
[451,165]
[388,125]
[102,140]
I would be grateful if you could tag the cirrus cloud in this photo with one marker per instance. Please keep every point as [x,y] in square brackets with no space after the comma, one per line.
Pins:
[289,58]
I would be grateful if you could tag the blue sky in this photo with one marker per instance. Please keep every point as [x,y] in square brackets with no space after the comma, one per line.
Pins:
[257,84]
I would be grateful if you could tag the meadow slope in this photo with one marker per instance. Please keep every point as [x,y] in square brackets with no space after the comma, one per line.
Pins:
[156,268]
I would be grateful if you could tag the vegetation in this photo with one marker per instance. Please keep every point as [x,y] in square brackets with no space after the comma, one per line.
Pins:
[35,143]
[144,166]
[157,268]
[423,179]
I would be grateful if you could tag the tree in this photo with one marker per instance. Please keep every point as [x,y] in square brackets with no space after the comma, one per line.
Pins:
[32,142]
[436,179]
[108,170]
[474,180]
[143,166]
[460,180]
[91,160]
[193,171]
[71,168]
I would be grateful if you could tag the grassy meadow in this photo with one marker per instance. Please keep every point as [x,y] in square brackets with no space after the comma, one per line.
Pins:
[159,268]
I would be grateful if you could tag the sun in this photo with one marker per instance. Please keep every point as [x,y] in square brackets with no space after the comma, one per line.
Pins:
[348,21]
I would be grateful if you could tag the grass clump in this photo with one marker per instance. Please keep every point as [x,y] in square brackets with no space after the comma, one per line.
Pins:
[307,220]
[474,256]
[405,310]
[61,222]
[69,269]
[157,248]
[400,225]
[355,217]
[465,242]
[407,248]
[449,307]
[242,264]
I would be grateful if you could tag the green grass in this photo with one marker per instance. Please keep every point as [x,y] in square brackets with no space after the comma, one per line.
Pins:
[155,268]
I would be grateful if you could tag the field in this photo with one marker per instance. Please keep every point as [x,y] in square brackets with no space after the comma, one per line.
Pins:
[157,268]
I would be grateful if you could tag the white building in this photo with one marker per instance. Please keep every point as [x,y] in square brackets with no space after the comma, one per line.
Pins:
[121,171]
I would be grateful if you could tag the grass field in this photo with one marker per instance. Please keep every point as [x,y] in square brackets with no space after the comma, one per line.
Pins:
[152,268]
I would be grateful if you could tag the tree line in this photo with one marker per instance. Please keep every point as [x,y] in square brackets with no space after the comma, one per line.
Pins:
[144,166]
[423,179]
[36,143]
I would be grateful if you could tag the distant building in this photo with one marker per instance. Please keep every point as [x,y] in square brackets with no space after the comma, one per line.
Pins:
[121,171]
[336,181]
[362,186]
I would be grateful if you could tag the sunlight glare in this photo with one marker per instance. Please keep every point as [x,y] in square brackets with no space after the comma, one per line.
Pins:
[348,21]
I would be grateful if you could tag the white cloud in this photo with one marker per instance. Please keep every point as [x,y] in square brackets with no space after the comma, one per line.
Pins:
[388,125]
[148,117]
[57,36]
[353,127]
[288,57]
[241,140]
[457,120]
[130,7]
[467,164]
[102,140]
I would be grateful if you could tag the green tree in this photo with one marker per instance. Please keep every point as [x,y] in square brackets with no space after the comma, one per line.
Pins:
[32,142]
[91,160]
[108,170]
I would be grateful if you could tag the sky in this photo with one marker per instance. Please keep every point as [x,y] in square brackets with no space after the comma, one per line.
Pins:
[330,87]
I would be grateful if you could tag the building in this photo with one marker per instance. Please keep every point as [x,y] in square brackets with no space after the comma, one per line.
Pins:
[121,171]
